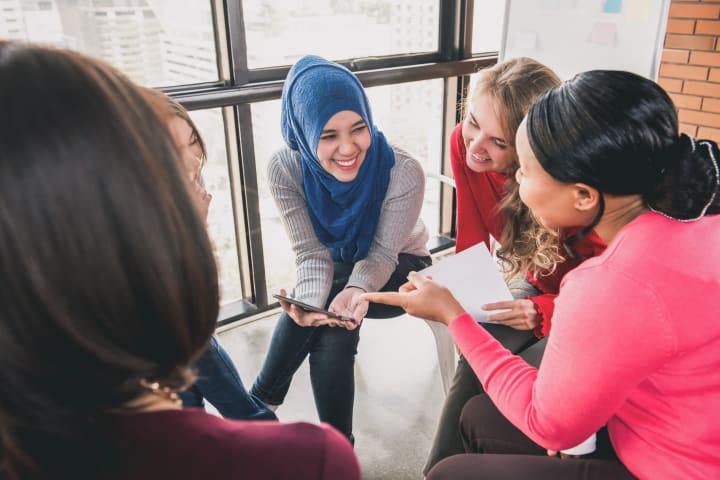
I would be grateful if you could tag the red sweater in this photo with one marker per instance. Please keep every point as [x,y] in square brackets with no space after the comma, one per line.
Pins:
[635,345]
[478,217]
[193,444]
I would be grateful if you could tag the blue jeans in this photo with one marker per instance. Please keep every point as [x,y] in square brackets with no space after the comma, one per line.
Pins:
[219,382]
[332,352]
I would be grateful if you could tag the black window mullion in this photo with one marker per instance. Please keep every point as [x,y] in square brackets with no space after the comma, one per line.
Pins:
[449,38]
[254,259]
[251,200]
[237,42]
[466,28]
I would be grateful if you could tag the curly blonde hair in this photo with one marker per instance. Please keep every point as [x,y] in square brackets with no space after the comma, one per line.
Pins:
[514,85]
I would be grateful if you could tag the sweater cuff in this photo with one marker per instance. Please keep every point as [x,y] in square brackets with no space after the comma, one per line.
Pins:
[545,306]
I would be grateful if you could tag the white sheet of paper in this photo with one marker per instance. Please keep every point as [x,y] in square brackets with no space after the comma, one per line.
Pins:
[473,278]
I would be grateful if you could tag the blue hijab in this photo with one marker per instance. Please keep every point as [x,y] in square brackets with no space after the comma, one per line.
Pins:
[344,215]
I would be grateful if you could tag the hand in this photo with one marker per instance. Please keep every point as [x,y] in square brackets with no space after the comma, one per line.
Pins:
[305,318]
[422,298]
[202,200]
[522,314]
[555,453]
[349,303]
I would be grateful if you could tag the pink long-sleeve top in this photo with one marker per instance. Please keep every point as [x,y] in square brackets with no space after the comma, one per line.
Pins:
[635,344]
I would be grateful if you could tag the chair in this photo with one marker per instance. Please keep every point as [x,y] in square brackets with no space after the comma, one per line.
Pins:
[444,342]
[445,346]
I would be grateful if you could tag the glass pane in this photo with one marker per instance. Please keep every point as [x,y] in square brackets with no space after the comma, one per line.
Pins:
[409,114]
[487,25]
[278,33]
[221,223]
[154,42]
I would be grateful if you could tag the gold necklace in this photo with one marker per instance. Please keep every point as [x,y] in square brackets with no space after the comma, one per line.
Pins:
[165,393]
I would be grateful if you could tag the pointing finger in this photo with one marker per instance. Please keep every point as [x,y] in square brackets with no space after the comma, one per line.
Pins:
[387,298]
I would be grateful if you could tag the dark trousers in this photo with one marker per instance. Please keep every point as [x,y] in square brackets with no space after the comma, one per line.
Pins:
[507,453]
[465,385]
[331,350]
[219,383]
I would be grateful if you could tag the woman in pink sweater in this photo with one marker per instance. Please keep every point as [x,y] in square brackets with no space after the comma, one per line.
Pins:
[635,330]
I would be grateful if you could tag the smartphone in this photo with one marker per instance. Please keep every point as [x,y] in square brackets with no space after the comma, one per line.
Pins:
[310,308]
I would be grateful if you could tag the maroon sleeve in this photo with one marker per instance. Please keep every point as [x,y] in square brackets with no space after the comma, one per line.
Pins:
[340,460]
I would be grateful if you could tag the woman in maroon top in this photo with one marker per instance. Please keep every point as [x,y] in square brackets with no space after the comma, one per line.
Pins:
[483,159]
[109,292]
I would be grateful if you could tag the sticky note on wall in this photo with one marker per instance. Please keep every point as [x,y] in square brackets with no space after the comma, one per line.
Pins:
[612,6]
[638,10]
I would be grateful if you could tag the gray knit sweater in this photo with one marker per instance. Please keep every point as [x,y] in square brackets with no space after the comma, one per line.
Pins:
[399,230]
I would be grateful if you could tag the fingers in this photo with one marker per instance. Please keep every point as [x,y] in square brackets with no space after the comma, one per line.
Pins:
[360,311]
[283,304]
[387,298]
[351,325]
[502,317]
[416,279]
[518,323]
[499,305]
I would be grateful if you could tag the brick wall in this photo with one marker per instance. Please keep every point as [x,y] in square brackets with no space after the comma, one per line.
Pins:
[690,67]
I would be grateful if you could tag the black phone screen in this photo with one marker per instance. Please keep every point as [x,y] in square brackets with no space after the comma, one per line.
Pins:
[311,308]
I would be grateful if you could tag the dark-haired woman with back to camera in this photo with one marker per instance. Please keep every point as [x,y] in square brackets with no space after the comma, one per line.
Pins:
[110,292]
[636,335]
[218,380]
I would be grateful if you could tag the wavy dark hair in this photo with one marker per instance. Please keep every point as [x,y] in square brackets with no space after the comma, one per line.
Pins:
[618,133]
[514,85]
[107,272]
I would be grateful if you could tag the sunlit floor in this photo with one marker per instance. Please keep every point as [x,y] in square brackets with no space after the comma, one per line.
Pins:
[398,391]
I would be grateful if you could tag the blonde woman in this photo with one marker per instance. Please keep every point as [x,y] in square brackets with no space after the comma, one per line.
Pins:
[484,161]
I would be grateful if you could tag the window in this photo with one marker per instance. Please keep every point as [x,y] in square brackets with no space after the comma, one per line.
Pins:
[279,34]
[488,16]
[221,215]
[77,23]
[231,79]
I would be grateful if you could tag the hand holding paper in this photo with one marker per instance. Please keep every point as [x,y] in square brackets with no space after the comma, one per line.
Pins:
[519,314]
[474,279]
[464,282]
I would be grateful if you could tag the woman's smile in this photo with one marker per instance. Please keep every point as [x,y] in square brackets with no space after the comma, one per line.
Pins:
[348,164]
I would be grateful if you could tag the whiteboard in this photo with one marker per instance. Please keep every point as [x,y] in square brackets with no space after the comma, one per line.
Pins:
[572,36]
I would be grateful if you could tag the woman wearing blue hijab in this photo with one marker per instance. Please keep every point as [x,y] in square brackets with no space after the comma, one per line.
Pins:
[350,203]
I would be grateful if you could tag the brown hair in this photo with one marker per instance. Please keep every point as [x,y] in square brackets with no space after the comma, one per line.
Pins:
[108,277]
[514,85]
[168,108]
